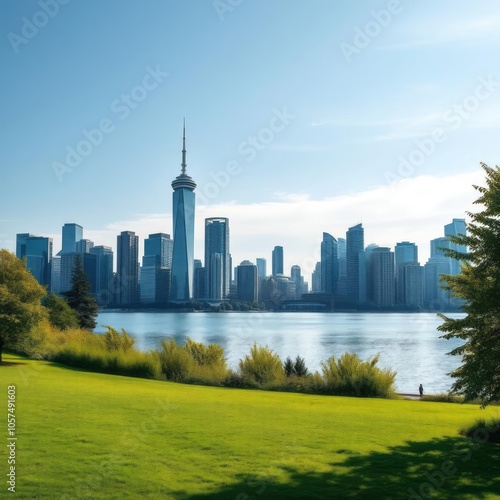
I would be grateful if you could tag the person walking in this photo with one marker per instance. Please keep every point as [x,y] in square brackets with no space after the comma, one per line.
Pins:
[421,390]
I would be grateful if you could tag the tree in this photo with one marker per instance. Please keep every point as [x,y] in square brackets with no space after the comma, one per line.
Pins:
[20,302]
[61,315]
[288,367]
[478,284]
[79,299]
[299,367]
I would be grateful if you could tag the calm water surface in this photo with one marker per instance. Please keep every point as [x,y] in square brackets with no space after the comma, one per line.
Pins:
[408,343]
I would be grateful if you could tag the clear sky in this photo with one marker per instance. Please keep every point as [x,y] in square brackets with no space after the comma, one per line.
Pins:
[302,117]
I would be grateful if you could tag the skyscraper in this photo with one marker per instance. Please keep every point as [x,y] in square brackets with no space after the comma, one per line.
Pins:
[156,260]
[38,253]
[104,274]
[405,253]
[382,271]
[456,227]
[217,257]
[247,281]
[183,206]
[298,279]
[356,265]
[261,267]
[71,234]
[277,258]
[329,264]
[127,274]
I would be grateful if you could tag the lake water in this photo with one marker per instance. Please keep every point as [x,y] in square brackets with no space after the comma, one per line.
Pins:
[408,343]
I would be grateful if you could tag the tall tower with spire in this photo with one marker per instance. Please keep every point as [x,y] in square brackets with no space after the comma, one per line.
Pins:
[183,200]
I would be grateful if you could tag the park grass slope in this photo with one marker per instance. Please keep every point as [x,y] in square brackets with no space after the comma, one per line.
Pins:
[90,435]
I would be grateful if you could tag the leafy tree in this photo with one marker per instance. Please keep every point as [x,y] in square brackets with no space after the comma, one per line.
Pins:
[79,299]
[60,314]
[478,284]
[20,302]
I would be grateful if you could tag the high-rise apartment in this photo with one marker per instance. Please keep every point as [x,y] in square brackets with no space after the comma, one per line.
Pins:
[127,274]
[356,265]
[247,287]
[329,264]
[382,271]
[277,258]
[183,207]
[217,257]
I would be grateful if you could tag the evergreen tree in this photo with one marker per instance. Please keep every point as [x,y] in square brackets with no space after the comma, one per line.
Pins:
[299,367]
[20,307]
[288,366]
[479,285]
[79,299]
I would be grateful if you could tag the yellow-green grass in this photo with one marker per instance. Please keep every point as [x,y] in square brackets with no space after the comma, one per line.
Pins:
[89,435]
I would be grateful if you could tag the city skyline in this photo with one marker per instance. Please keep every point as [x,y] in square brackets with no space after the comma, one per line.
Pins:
[321,131]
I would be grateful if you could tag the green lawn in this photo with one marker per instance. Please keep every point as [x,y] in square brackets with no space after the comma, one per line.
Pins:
[88,435]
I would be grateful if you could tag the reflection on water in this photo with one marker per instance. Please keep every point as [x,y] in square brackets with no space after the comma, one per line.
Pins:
[407,343]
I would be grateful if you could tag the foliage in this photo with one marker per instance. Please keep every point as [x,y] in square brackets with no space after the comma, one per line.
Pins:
[483,430]
[262,365]
[79,299]
[116,341]
[349,376]
[193,363]
[84,349]
[20,306]
[297,368]
[478,284]
[442,398]
[61,315]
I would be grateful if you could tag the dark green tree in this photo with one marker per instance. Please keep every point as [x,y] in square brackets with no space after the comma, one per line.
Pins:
[61,315]
[299,367]
[478,284]
[20,306]
[288,366]
[79,299]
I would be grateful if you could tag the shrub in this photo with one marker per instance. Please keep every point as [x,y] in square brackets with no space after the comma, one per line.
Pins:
[442,398]
[262,365]
[483,430]
[176,363]
[116,341]
[349,376]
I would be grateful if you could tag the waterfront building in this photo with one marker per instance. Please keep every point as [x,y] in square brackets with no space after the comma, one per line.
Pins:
[382,271]
[329,264]
[247,282]
[277,260]
[405,253]
[71,234]
[127,268]
[183,208]
[38,256]
[298,279]
[217,258]
[356,265]
[104,291]
[456,227]
[316,278]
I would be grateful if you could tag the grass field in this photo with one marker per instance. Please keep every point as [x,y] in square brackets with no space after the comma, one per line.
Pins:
[88,435]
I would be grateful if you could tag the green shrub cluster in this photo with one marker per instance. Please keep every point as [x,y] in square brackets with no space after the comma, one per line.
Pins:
[109,353]
[193,362]
[483,430]
[196,363]
[350,376]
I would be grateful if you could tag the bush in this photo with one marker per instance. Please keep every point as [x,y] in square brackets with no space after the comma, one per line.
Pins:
[193,362]
[443,398]
[116,341]
[262,366]
[349,376]
[483,430]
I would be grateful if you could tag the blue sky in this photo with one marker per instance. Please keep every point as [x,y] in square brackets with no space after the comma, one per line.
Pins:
[302,117]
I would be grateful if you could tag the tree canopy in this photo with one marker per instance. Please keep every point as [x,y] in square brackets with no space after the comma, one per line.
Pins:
[79,299]
[479,285]
[20,302]
[61,315]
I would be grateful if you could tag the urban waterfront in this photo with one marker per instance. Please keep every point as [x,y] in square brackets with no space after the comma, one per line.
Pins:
[408,343]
